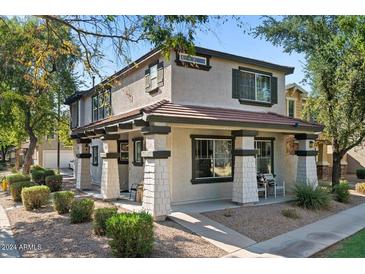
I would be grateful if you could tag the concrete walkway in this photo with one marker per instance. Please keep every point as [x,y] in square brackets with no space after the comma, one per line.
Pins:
[7,242]
[299,243]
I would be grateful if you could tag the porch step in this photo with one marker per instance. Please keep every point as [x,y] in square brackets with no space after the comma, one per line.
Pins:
[213,232]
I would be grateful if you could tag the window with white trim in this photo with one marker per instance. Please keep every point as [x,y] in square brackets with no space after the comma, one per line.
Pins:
[264,157]
[255,87]
[101,105]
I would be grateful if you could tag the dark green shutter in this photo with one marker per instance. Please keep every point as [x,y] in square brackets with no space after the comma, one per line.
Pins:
[235,83]
[274,90]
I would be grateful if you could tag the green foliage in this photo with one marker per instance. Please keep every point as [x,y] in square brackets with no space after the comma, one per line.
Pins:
[290,213]
[360,188]
[35,197]
[131,234]
[81,210]
[311,198]
[62,201]
[54,182]
[341,192]
[16,189]
[101,215]
[17,178]
[360,173]
[37,175]
[333,47]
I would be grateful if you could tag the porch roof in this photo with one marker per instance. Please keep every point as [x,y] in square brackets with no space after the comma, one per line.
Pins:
[165,111]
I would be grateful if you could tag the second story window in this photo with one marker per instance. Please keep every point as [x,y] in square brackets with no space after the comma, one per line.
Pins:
[290,107]
[154,77]
[254,87]
[75,114]
[101,105]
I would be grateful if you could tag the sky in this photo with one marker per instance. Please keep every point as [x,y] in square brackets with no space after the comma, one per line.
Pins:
[229,38]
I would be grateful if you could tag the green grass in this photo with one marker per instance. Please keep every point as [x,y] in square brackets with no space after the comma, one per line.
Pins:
[352,247]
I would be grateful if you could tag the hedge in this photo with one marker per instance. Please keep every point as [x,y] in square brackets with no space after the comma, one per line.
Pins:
[35,197]
[54,182]
[16,189]
[62,201]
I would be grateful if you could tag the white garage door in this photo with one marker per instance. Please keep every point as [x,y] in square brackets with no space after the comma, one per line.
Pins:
[50,158]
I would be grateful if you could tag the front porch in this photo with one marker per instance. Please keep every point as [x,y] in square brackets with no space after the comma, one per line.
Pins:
[182,163]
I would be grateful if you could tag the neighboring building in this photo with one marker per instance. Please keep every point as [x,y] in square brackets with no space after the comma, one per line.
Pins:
[190,128]
[45,154]
[296,98]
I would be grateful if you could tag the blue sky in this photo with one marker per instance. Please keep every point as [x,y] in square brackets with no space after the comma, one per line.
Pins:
[229,38]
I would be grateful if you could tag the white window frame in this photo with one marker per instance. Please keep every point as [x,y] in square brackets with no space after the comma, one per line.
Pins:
[256,74]
[288,99]
[185,58]
[272,149]
[213,159]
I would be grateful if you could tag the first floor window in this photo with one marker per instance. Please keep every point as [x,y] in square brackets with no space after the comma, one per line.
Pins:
[123,152]
[95,155]
[212,159]
[264,157]
[137,147]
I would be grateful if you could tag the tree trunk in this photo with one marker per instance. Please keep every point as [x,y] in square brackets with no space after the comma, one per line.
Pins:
[3,153]
[336,168]
[32,144]
[17,158]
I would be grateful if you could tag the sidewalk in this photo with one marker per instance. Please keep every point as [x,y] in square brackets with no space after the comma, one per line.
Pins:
[7,242]
[299,243]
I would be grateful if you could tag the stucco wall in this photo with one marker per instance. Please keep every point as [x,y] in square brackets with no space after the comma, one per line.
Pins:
[214,87]
[128,91]
[183,191]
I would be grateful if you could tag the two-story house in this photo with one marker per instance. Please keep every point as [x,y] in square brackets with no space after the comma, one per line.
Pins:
[190,128]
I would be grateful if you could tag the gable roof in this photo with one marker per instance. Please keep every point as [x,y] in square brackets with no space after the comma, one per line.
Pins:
[297,87]
[199,50]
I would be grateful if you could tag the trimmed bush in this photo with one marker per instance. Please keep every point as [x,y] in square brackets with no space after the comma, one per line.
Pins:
[49,172]
[131,234]
[290,213]
[37,175]
[18,177]
[311,198]
[54,182]
[360,173]
[62,201]
[101,215]
[360,187]
[16,189]
[35,197]
[341,192]
[81,210]
[38,167]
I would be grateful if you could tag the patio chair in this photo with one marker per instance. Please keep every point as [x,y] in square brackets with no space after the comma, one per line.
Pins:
[261,185]
[133,192]
[279,186]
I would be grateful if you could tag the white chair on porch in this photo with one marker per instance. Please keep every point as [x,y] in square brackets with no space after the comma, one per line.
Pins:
[273,182]
[261,185]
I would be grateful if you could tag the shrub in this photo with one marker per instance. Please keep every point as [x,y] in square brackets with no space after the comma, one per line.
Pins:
[101,215]
[290,213]
[16,189]
[34,167]
[81,210]
[37,175]
[131,234]
[62,201]
[54,182]
[311,198]
[341,191]
[49,172]
[360,173]
[17,178]
[360,187]
[35,197]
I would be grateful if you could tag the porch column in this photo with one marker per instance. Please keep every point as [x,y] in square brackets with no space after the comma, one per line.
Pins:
[322,163]
[306,168]
[156,190]
[245,181]
[83,178]
[110,188]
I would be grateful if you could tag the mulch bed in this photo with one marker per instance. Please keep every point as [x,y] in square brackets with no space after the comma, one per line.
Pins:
[55,237]
[261,223]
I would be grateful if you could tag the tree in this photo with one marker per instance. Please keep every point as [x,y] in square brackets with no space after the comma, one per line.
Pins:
[334,49]
[36,66]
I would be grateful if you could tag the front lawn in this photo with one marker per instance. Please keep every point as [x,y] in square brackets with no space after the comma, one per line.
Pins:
[352,247]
